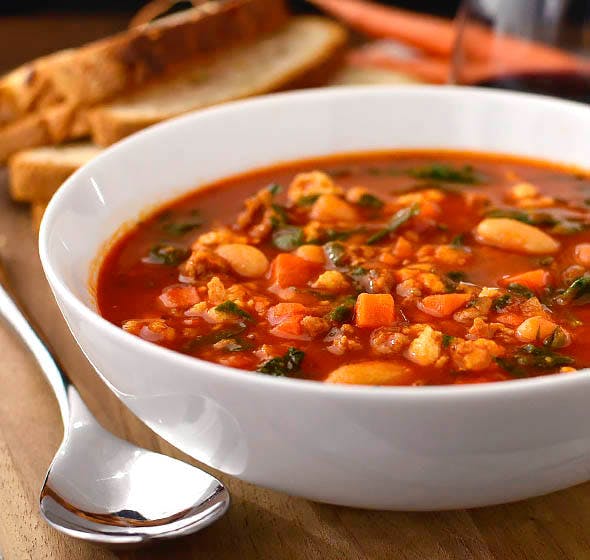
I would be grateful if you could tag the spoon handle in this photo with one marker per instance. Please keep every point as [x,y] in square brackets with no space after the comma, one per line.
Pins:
[16,317]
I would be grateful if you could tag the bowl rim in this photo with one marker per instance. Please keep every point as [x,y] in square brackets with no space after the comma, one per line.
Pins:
[136,344]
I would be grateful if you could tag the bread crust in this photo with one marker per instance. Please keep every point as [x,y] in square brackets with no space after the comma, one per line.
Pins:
[109,124]
[50,126]
[36,174]
[109,67]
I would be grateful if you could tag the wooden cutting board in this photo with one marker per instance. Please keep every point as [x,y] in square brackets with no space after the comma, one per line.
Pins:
[260,524]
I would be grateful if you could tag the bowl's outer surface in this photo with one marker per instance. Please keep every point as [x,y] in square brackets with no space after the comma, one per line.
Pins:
[418,448]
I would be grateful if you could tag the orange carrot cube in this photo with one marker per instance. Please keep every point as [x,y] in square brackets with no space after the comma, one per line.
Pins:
[534,280]
[374,310]
[289,270]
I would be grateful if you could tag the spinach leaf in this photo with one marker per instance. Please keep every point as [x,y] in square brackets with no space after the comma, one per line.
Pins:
[509,213]
[368,200]
[511,366]
[568,227]
[458,241]
[519,290]
[557,339]
[180,228]
[529,358]
[342,312]
[285,365]
[397,220]
[288,238]
[307,200]
[233,309]
[358,271]
[541,358]
[168,255]
[457,275]
[531,218]
[578,292]
[452,279]
[316,293]
[447,340]
[446,188]
[501,302]
[215,336]
[446,173]
[279,217]
[335,235]
[564,226]
[274,188]
[336,253]
[237,344]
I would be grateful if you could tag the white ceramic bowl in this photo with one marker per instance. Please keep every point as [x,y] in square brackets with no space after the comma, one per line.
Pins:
[412,448]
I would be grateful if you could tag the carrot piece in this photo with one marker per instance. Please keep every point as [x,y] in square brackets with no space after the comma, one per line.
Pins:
[402,248]
[534,280]
[510,319]
[432,34]
[290,327]
[289,270]
[374,310]
[436,36]
[443,305]
[287,319]
[429,209]
[281,311]
[180,296]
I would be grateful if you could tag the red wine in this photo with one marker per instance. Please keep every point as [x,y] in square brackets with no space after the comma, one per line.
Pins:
[569,85]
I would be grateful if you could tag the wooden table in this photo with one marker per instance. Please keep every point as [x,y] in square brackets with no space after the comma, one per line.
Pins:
[260,524]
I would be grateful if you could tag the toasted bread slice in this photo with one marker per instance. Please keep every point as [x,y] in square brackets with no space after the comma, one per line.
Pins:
[37,212]
[111,66]
[36,174]
[51,126]
[269,64]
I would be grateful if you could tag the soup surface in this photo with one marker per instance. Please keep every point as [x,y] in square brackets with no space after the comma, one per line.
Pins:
[401,268]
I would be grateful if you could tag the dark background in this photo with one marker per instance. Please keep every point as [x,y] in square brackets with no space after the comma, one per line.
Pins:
[31,28]
[443,7]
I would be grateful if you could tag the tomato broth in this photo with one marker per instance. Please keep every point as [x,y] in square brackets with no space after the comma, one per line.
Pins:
[398,268]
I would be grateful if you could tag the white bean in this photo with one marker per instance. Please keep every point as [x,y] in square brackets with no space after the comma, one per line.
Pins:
[374,372]
[246,260]
[512,235]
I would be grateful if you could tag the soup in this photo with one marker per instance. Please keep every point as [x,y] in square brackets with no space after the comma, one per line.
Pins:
[401,268]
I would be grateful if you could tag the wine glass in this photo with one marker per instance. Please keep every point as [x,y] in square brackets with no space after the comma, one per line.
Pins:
[537,46]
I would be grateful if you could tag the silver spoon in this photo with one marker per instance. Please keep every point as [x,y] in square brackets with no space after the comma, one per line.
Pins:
[101,488]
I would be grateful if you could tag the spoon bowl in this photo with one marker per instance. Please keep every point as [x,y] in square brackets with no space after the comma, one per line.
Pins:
[101,488]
